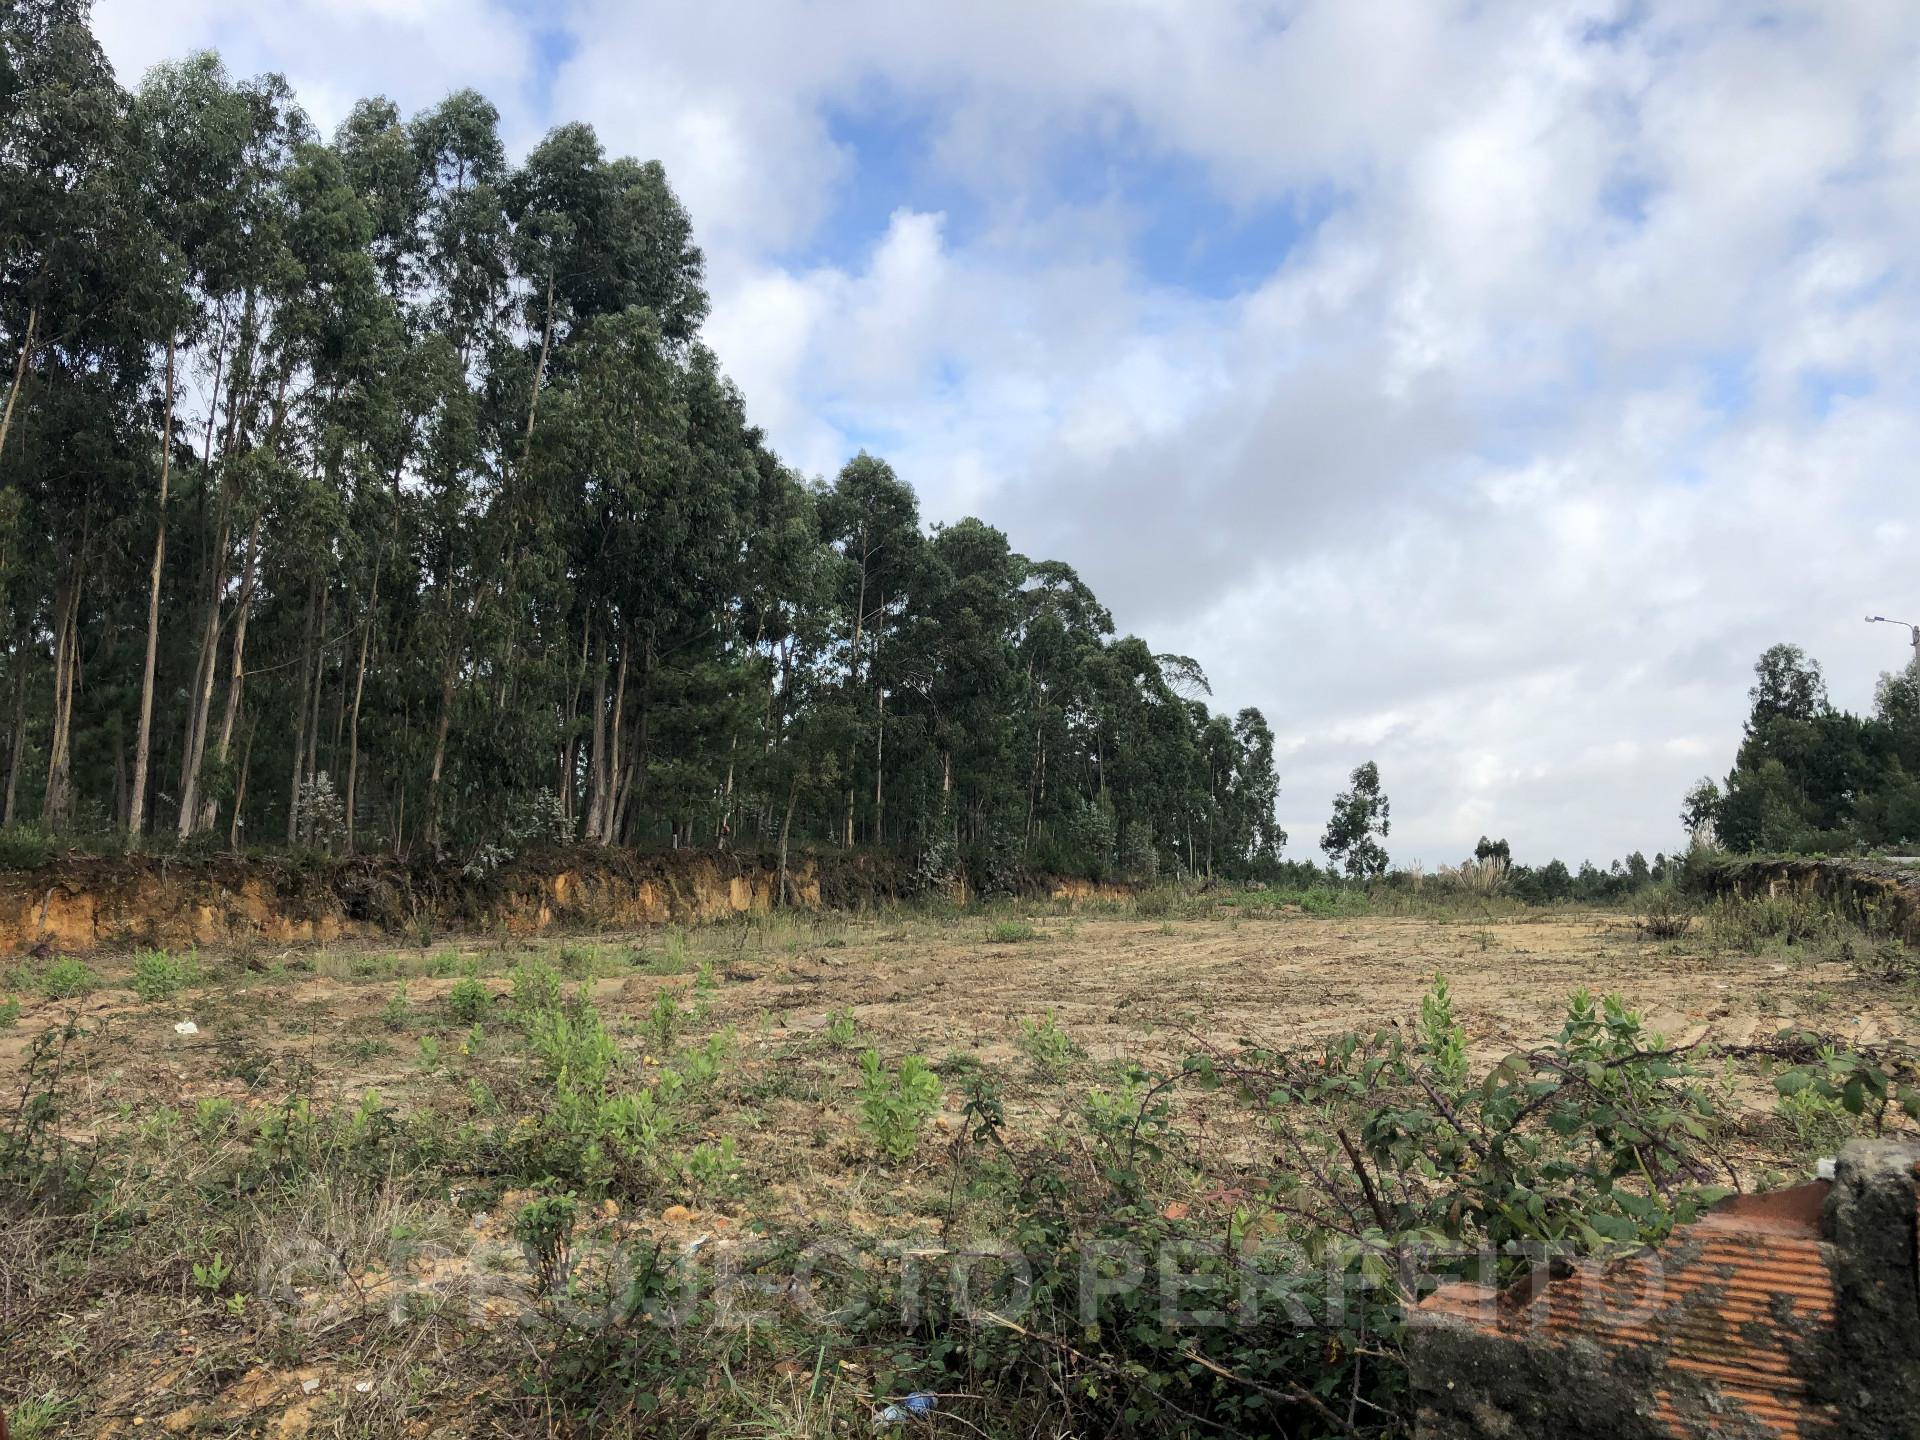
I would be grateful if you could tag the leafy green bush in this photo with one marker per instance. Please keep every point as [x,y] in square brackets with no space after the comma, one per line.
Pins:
[663,1020]
[713,1169]
[25,847]
[158,975]
[894,1106]
[1048,1046]
[9,1012]
[397,1014]
[544,1228]
[469,1001]
[67,979]
[841,1031]
[1011,932]
[536,988]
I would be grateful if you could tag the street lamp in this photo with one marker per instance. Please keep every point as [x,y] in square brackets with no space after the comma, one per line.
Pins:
[1912,629]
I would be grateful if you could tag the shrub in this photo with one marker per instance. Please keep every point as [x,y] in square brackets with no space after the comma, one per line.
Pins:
[894,1107]
[713,1169]
[1666,916]
[68,979]
[158,975]
[536,987]
[211,1116]
[544,1228]
[24,847]
[1049,1047]
[9,1012]
[469,1001]
[397,1014]
[841,1031]
[1011,932]
[663,1020]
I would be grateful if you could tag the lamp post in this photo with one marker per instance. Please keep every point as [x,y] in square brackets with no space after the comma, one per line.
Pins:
[1912,629]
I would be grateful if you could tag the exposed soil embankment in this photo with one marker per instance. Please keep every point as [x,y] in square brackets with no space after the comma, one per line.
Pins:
[1879,895]
[82,903]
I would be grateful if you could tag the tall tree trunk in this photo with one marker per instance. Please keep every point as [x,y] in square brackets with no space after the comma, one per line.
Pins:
[300,719]
[17,749]
[200,699]
[359,688]
[240,787]
[236,669]
[597,752]
[619,774]
[20,378]
[137,802]
[786,832]
[56,806]
[853,674]
[879,732]
[437,769]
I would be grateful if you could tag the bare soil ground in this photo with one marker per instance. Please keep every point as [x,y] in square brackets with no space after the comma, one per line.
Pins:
[165,1351]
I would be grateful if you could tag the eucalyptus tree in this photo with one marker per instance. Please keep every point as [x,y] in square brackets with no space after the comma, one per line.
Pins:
[1361,820]
[391,458]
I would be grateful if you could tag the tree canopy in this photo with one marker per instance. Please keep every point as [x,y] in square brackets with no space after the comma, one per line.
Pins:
[1811,777]
[375,490]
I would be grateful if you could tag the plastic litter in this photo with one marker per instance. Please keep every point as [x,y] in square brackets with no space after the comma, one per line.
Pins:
[916,1406]
[186,1027]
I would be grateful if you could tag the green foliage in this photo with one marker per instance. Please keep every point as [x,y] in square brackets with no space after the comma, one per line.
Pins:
[713,1169]
[1011,932]
[1442,1041]
[1810,778]
[212,1115]
[1834,1081]
[895,1105]
[536,988]
[211,1274]
[67,979]
[1048,1046]
[663,1019]
[469,1001]
[159,975]
[397,1013]
[842,1030]
[1360,821]
[26,847]
[9,1012]
[1590,1141]
[544,1227]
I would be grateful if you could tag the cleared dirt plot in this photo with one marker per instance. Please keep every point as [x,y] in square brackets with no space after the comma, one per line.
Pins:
[713,1181]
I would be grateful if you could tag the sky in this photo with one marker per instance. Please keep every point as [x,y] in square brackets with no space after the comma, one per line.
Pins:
[1474,387]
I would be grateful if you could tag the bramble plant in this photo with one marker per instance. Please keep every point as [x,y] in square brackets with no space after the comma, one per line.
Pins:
[894,1107]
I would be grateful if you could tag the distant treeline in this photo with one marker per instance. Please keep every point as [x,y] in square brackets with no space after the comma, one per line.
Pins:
[1810,778]
[374,491]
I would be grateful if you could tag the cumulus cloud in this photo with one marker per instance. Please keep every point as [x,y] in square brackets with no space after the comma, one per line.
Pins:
[1585,373]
